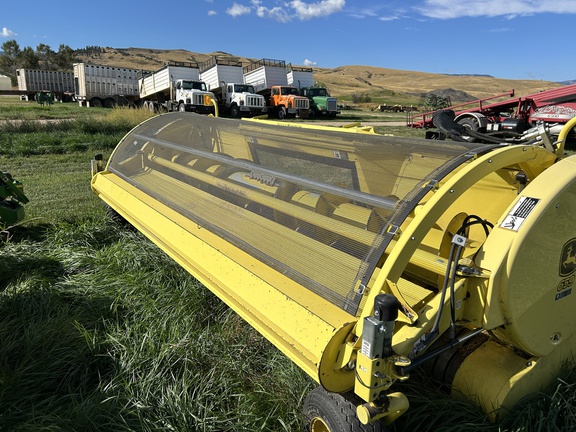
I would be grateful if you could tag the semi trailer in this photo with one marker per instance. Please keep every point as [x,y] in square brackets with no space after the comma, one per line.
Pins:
[105,86]
[224,78]
[31,82]
[175,87]
[365,257]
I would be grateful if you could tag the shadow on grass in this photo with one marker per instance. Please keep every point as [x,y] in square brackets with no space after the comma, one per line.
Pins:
[14,268]
[53,364]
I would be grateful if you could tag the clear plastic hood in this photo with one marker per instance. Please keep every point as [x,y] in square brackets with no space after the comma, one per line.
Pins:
[318,206]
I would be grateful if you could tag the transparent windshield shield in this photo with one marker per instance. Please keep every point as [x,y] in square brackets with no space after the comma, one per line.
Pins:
[318,206]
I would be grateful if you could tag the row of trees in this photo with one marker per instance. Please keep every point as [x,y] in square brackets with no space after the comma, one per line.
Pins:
[43,57]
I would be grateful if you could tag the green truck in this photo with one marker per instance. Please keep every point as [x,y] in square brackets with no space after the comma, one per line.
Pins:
[321,103]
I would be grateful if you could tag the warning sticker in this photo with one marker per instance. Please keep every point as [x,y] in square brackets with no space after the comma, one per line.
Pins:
[519,213]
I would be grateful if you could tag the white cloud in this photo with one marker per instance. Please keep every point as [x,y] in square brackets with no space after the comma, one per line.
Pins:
[288,10]
[7,33]
[362,13]
[237,10]
[212,12]
[306,11]
[388,18]
[309,63]
[448,9]
[276,13]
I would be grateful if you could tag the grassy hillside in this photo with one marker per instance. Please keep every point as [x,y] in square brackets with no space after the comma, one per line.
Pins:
[383,85]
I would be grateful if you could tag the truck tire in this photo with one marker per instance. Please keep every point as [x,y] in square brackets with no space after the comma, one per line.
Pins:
[148,106]
[96,102]
[282,114]
[235,111]
[333,412]
[181,107]
[109,103]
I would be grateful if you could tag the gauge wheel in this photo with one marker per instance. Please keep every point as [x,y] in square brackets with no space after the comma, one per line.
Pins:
[332,412]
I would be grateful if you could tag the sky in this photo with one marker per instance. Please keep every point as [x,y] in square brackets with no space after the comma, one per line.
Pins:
[514,39]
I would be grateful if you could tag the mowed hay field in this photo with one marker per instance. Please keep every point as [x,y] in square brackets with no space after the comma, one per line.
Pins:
[101,331]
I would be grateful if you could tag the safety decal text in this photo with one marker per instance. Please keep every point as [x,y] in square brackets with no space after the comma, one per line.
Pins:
[519,213]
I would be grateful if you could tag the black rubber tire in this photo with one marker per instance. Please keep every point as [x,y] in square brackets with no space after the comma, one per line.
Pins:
[470,124]
[282,114]
[181,107]
[96,102]
[333,412]
[234,111]
[110,103]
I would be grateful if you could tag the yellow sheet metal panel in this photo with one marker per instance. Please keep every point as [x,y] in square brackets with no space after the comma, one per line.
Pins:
[301,325]
[534,290]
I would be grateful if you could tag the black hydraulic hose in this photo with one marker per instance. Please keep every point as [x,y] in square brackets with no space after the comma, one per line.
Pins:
[444,289]
[444,121]
[484,137]
[455,342]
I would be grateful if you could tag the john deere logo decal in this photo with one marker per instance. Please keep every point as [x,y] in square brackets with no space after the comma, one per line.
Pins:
[568,258]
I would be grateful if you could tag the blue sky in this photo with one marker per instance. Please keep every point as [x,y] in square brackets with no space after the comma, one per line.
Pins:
[516,39]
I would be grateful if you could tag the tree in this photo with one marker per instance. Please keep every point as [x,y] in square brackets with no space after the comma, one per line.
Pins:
[45,54]
[64,57]
[28,59]
[9,60]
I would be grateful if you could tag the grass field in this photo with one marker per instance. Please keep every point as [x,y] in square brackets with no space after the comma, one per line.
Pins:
[100,331]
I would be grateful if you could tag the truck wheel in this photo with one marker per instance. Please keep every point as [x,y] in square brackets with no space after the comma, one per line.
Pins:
[96,102]
[110,103]
[333,412]
[282,114]
[234,111]
[311,113]
[470,124]
[181,107]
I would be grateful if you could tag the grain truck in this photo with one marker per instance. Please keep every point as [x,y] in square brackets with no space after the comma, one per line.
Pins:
[300,77]
[269,79]
[224,78]
[319,98]
[105,86]
[321,103]
[175,87]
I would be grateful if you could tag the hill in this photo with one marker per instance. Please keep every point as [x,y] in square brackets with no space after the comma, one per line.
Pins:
[382,84]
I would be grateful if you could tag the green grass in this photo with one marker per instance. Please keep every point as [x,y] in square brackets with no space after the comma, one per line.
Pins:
[101,331]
